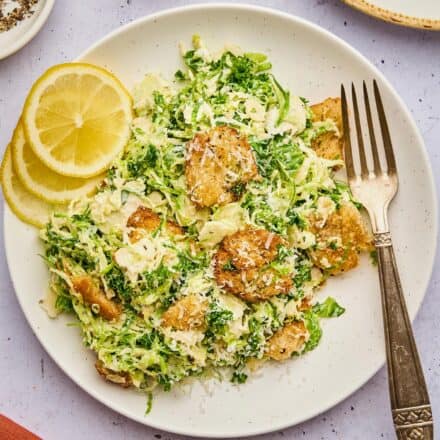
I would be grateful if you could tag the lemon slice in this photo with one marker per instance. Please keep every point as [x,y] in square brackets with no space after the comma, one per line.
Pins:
[41,180]
[25,205]
[77,119]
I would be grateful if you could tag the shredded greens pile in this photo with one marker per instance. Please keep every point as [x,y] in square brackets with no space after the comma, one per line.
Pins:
[238,90]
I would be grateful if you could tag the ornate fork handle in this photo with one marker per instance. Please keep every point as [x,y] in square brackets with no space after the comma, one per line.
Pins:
[410,404]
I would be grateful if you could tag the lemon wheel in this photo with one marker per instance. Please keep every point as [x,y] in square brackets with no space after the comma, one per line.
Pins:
[77,119]
[25,205]
[41,180]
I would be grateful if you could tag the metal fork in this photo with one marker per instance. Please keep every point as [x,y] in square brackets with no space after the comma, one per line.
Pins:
[375,188]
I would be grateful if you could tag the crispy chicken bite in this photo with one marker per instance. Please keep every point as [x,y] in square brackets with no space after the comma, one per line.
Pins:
[122,379]
[241,265]
[287,340]
[144,219]
[328,145]
[187,313]
[91,294]
[340,239]
[216,162]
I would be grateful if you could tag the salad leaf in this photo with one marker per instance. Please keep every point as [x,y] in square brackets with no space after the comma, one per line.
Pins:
[328,309]
[314,328]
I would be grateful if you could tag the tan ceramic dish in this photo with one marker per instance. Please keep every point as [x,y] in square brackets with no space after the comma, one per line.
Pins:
[394,17]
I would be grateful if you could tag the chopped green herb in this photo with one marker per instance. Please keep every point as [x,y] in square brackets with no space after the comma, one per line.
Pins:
[217,318]
[229,266]
[239,377]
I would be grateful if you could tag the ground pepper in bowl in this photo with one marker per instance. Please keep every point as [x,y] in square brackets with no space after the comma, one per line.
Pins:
[14,12]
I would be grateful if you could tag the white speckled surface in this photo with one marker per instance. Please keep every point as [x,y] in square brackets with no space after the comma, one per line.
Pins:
[35,393]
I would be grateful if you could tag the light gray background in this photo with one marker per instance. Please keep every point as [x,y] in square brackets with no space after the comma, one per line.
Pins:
[35,392]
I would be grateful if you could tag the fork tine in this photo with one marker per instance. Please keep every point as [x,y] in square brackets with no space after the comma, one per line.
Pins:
[348,155]
[376,161]
[388,146]
[364,166]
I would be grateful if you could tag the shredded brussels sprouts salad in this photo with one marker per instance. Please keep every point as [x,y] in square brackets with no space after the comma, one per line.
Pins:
[202,251]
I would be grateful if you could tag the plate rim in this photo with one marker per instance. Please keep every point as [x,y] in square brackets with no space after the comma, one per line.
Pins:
[31,32]
[434,203]
[394,17]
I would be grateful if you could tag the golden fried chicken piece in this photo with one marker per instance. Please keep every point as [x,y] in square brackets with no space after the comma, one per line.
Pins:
[122,379]
[252,247]
[174,229]
[240,265]
[340,239]
[216,162]
[328,145]
[287,340]
[91,294]
[187,313]
[144,219]
[330,108]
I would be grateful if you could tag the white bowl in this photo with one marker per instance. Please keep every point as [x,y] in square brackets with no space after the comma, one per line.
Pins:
[14,39]
[312,63]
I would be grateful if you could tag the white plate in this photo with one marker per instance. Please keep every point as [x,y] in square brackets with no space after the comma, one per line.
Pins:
[311,62]
[19,35]
[423,14]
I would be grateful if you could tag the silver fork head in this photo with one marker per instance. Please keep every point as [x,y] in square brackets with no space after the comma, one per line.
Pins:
[374,186]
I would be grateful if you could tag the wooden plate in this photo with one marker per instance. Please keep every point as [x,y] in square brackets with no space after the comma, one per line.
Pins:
[423,14]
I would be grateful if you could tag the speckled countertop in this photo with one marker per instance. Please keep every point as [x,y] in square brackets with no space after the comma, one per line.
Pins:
[35,392]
